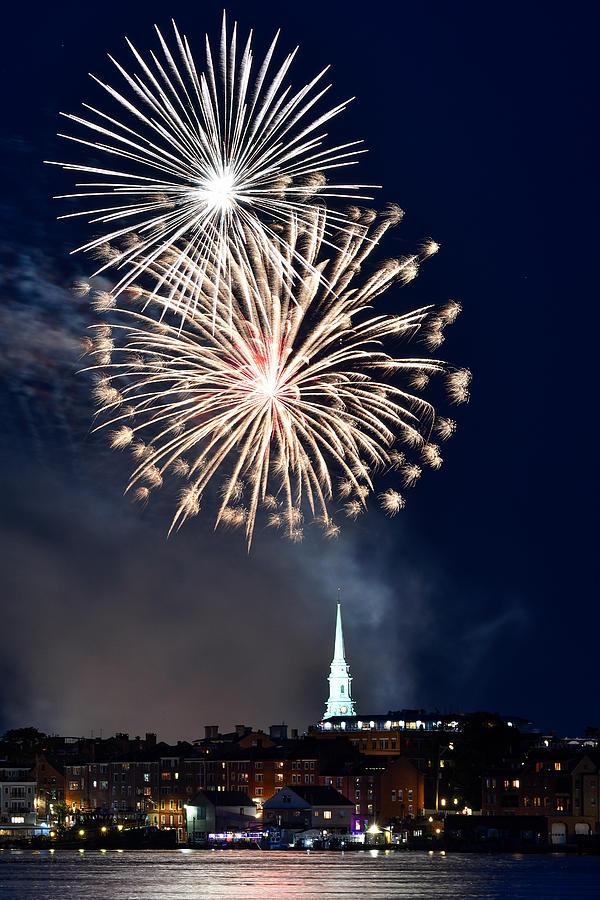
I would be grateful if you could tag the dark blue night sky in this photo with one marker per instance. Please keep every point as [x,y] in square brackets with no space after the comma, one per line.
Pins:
[481,595]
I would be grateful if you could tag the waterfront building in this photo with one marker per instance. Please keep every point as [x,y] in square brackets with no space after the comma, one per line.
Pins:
[559,783]
[309,807]
[218,811]
[17,802]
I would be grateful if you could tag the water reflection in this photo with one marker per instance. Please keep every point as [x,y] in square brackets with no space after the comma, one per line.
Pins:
[249,875]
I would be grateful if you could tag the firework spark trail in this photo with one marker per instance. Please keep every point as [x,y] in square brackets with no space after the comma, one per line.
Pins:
[201,161]
[273,383]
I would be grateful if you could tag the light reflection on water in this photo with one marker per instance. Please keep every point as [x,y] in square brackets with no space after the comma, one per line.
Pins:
[179,874]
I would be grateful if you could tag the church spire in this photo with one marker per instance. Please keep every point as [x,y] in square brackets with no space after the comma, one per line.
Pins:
[340,702]
[339,653]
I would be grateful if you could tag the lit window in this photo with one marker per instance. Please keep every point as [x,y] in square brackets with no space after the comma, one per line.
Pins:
[326,813]
[557,766]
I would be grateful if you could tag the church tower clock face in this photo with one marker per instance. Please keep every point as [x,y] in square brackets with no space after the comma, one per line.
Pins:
[343,709]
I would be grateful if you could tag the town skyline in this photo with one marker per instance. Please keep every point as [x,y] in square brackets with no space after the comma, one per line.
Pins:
[344,718]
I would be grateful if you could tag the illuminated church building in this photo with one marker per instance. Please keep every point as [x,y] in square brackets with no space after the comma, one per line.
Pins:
[340,702]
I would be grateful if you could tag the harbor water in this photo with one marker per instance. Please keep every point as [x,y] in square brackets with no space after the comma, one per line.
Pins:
[180,874]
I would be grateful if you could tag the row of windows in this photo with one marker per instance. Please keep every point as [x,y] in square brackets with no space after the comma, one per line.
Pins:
[560,804]
[103,785]
[168,775]
[369,809]
[102,768]
[339,782]
[375,744]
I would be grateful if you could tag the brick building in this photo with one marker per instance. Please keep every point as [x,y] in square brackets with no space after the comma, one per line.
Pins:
[558,783]
[50,785]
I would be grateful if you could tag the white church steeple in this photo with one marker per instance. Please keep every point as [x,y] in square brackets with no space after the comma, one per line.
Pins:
[340,701]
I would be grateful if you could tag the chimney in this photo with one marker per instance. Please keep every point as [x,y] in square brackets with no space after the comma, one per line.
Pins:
[150,739]
[278,732]
[241,730]
[211,732]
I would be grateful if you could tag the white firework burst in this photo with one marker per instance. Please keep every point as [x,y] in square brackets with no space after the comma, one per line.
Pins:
[201,159]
